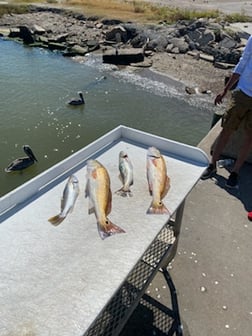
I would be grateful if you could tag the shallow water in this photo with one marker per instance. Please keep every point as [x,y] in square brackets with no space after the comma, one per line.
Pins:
[36,84]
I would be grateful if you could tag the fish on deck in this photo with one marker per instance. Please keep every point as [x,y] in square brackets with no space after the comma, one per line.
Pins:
[70,194]
[126,174]
[100,198]
[158,181]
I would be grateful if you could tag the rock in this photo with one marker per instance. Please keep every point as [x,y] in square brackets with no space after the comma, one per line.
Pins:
[38,30]
[221,65]
[139,41]
[118,34]
[180,43]
[56,46]
[26,35]
[14,33]
[74,33]
[59,38]
[42,39]
[206,57]
[93,45]
[76,50]
[227,42]
[157,44]
[4,32]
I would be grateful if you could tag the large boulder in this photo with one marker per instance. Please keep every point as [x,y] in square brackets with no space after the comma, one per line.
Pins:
[117,34]
[26,35]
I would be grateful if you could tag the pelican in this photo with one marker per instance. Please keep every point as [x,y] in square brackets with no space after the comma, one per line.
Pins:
[77,101]
[22,163]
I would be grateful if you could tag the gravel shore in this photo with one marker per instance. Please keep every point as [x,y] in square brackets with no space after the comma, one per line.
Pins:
[185,68]
[191,72]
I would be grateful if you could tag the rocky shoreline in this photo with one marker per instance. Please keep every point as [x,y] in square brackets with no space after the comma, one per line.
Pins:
[198,53]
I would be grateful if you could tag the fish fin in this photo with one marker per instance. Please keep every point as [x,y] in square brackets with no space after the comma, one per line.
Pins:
[108,230]
[56,220]
[109,204]
[120,178]
[158,209]
[91,211]
[166,188]
[91,208]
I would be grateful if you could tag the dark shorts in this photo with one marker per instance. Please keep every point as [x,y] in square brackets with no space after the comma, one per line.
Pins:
[238,111]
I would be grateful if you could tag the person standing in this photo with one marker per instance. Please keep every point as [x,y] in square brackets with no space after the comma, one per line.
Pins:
[238,111]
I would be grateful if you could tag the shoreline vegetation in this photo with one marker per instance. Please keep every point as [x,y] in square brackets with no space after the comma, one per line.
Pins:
[135,10]
[197,73]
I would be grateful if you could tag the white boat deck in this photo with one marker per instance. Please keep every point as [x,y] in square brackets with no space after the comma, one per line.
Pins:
[56,280]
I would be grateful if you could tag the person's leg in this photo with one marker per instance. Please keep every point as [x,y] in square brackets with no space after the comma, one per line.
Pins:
[219,146]
[230,122]
[244,152]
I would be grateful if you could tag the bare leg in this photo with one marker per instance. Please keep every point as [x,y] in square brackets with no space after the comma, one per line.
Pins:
[221,143]
[244,151]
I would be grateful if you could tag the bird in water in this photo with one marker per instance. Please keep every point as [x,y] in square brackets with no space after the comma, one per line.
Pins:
[24,162]
[79,101]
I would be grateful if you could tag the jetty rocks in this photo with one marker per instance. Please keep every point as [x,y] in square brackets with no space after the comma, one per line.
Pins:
[72,33]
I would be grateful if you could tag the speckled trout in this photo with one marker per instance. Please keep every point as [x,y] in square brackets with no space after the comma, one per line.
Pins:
[100,198]
[70,194]
[158,181]
[126,174]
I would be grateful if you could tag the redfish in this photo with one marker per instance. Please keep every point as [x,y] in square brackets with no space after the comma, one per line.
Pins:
[126,174]
[158,181]
[70,194]
[100,198]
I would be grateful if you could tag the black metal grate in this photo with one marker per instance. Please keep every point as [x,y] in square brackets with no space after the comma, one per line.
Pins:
[113,317]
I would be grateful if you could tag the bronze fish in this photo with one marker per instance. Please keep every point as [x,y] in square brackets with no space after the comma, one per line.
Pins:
[158,181]
[100,198]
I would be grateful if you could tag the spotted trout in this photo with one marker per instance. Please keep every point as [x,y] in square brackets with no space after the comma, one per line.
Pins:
[158,181]
[70,194]
[126,174]
[100,198]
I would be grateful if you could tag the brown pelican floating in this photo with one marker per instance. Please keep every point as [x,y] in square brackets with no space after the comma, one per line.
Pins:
[22,163]
[77,101]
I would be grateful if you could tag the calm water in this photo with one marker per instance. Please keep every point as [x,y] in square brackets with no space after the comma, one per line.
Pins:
[36,84]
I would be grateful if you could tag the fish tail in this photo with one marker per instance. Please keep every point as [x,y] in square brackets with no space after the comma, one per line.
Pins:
[158,209]
[56,220]
[108,230]
[124,192]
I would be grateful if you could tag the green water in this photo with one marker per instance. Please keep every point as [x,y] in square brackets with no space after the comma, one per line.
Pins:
[36,84]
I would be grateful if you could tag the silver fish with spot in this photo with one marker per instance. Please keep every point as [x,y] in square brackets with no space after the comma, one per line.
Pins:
[126,174]
[70,194]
